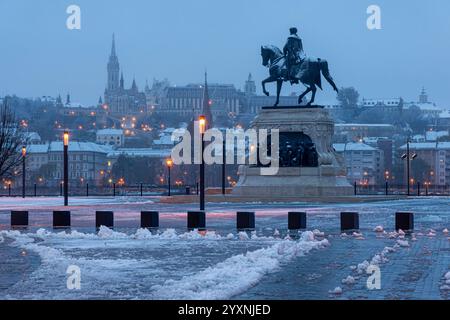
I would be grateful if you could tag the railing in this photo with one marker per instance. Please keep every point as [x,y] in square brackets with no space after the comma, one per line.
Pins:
[417,189]
[113,190]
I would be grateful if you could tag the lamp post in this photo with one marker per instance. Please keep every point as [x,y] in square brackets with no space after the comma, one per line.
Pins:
[408,157]
[169,164]
[224,159]
[24,155]
[202,129]
[66,168]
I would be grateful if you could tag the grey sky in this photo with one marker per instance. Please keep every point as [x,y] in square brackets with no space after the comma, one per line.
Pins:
[178,39]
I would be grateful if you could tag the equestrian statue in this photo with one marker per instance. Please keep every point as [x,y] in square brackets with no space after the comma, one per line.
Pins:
[292,65]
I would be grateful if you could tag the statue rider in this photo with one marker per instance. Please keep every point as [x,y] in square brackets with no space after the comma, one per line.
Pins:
[293,51]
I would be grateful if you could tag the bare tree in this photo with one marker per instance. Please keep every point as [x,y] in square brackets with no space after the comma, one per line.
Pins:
[12,139]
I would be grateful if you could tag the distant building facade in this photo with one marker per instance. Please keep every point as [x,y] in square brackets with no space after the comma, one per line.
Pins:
[365,164]
[118,100]
[113,137]
[87,162]
[437,156]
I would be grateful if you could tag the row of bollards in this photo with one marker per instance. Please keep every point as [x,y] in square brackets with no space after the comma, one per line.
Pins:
[197,220]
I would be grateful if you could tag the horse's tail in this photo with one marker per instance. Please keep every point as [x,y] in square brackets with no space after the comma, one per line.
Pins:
[326,73]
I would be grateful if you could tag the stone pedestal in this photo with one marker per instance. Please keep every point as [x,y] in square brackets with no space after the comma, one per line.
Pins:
[327,178]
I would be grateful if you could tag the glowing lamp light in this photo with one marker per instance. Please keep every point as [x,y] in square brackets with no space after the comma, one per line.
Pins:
[66,138]
[169,163]
[202,124]
[24,151]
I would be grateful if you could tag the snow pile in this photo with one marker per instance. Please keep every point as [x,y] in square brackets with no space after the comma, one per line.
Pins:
[237,273]
[403,243]
[362,267]
[349,280]
[446,285]
[1,239]
[336,291]
[445,231]
[378,229]
[318,233]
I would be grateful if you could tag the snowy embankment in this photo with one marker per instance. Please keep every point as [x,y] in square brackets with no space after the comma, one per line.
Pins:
[118,276]
[238,273]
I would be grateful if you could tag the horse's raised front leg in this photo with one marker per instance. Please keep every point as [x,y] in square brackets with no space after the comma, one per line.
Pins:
[313,95]
[300,98]
[279,85]
[269,79]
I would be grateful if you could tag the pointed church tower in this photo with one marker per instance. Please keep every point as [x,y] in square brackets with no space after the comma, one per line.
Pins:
[122,82]
[134,87]
[423,98]
[250,86]
[113,68]
[207,103]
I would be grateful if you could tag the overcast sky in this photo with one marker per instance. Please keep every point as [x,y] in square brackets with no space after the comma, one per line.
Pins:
[178,39]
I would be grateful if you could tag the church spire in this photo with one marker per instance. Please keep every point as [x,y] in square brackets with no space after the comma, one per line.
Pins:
[113,68]
[122,82]
[207,104]
[113,46]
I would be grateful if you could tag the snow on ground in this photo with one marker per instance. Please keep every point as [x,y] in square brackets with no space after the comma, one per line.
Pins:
[131,263]
[146,265]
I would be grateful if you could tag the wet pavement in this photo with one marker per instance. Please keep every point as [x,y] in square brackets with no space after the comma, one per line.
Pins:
[126,264]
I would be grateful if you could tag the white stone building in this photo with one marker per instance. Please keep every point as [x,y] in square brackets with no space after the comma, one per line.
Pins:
[365,164]
[112,137]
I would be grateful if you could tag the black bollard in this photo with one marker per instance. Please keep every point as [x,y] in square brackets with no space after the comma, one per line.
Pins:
[87,189]
[149,219]
[245,220]
[35,190]
[404,221]
[61,219]
[104,218]
[196,220]
[296,220]
[349,221]
[19,219]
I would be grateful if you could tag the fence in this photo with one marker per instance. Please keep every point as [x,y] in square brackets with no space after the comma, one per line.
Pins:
[417,189]
[87,190]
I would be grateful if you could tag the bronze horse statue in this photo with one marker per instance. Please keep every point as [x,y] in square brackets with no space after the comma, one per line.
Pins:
[308,72]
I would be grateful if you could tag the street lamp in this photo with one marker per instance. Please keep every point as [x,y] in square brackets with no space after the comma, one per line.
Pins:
[24,155]
[66,168]
[408,157]
[169,164]
[202,129]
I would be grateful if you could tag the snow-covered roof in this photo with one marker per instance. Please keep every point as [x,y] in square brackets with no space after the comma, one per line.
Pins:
[140,152]
[445,114]
[164,140]
[33,136]
[73,105]
[74,146]
[38,148]
[386,102]
[352,146]
[427,146]
[435,135]
[110,132]
[375,125]
[428,106]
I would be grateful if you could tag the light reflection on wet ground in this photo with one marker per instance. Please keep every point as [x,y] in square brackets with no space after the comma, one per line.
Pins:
[411,273]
